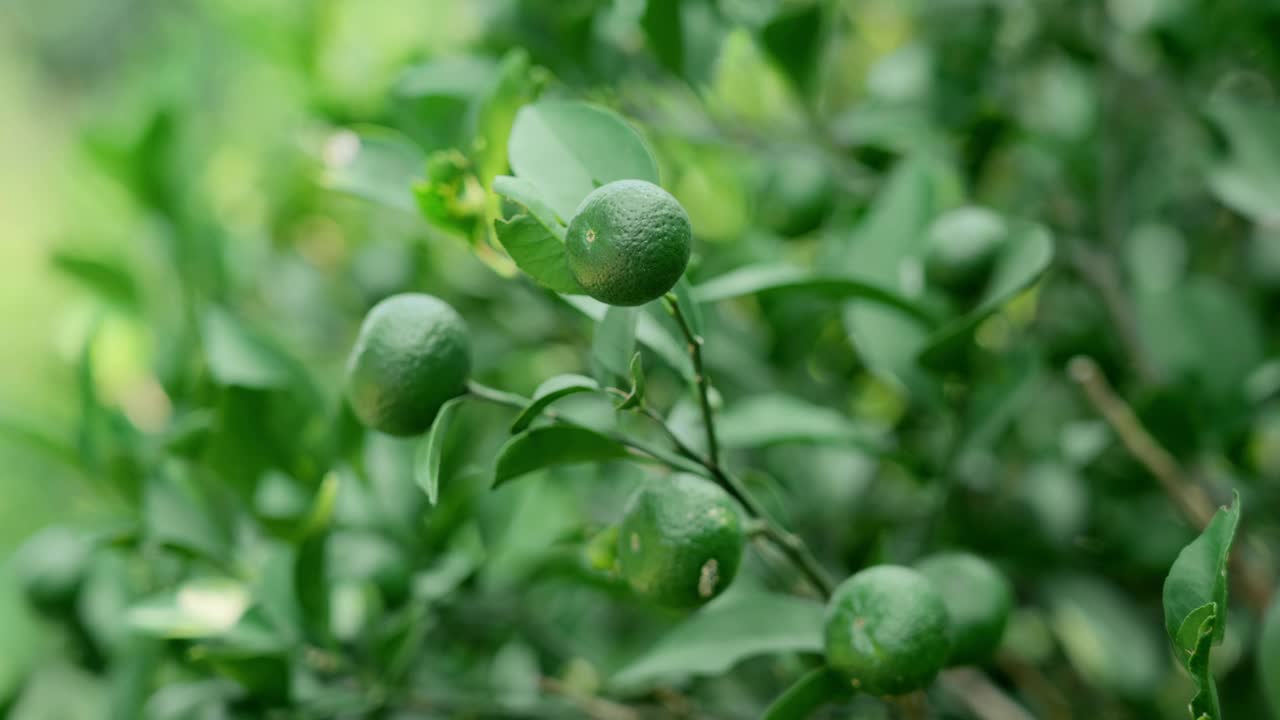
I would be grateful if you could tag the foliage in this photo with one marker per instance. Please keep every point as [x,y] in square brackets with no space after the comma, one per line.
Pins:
[247,180]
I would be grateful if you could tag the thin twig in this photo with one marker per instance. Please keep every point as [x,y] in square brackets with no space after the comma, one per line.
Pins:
[983,697]
[1187,495]
[593,706]
[700,380]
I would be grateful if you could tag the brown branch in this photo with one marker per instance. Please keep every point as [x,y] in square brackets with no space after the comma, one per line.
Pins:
[1187,495]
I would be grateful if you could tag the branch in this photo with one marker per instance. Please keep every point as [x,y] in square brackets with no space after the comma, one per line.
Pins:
[983,697]
[700,380]
[1188,496]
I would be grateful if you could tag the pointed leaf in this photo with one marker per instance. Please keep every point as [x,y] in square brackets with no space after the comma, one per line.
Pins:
[550,391]
[523,193]
[544,447]
[426,466]
[615,340]
[537,252]
[764,278]
[813,690]
[636,396]
[1199,575]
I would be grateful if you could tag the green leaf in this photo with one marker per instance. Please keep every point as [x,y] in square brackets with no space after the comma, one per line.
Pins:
[550,391]
[239,356]
[537,252]
[1269,657]
[1199,576]
[450,197]
[614,341]
[567,149]
[731,629]
[108,278]
[523,193]
[1106,639]
[376,164]
[1249,181]
[813,690]
[544,447]
[426,466]
[178,515]
[516,84]
[771,277]
[1197,633]
[793,38]
[664,29]
[1024,258]
[649,332]
[765,420]
[998,400]
[635,397]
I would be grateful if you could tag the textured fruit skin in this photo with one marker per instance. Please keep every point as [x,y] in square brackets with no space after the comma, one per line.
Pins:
[962,247]
[629,242]
[680,541]
[412,355]
[978,598]
[887,630]
[51,567]
[798,193]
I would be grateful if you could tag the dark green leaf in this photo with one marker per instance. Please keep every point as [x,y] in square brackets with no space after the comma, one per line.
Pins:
[1199,575]
[663,27]
[813,690]
[377,164]
[615,340]
[426,466]
[731,629]
[755,279]
[544,447]
[1196,634]
[793,38]
[550,391]
[567,149]
[537,252]
[108,278]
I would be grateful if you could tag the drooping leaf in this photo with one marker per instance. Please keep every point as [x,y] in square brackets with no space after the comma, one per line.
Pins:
[729,630]
[664,29]
[614,341]
[373,163]
[765,278]
[793,38]
[1024,258]
[1199,575]
[765,420]
[550,391]
[544,447]
[537,252]
[567,149]
[426,465]
[813,690]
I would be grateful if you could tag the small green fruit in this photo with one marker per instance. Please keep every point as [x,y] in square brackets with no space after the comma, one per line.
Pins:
[978,599]
[412,355]
[51,567]
[962,247]
[629,242]
[887,630]
[680,541]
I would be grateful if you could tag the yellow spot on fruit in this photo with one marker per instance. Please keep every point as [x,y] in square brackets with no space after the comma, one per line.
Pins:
[591,236]
[708,578]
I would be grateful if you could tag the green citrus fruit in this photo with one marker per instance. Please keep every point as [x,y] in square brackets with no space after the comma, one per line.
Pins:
[962,247]
[680,541]
[798,192]
[978,600]
[887,630]
[629,242]
[51,567]
[413,354]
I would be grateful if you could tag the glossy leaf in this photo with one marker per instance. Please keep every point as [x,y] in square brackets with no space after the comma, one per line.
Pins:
[813,690]
[734,628]
[547,393]
[1199,575]
[537,252]
[544,447]
[567,149]
[426,465]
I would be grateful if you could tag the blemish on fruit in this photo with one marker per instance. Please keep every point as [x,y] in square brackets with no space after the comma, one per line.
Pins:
[709,578]
[591,236]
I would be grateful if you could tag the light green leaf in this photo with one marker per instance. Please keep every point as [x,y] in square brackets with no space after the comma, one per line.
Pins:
[517,83]
[522,192]
[649,332]
[813,690]
[426,466]
[544,447]
[1024,258]
[178,515]
[538,252]
[1269,657]
[1199,576]
[239,356]
[567,149]
[731,629]
[106,277]
[614,341]
[766,420]
[770,277]
[550,391]
[374,163]
[635,397]
[1249,181]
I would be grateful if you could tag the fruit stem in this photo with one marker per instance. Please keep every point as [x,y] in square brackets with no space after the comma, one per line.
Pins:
[700,381]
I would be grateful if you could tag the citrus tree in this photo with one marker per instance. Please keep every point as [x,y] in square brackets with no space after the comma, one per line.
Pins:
[675,359]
